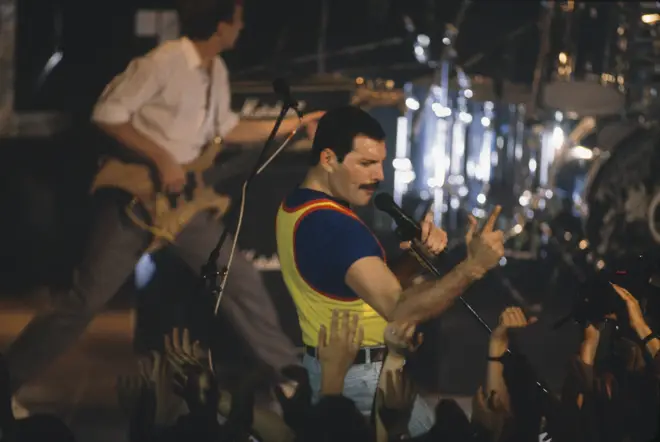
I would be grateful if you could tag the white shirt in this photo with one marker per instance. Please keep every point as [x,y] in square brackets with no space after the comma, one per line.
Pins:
[164,95]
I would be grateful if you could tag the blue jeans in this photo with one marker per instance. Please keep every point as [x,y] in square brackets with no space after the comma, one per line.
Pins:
[360,386]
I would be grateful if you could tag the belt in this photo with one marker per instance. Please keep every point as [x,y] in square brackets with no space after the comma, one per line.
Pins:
[365,355]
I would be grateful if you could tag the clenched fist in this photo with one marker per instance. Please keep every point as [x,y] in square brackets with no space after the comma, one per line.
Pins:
[485,248]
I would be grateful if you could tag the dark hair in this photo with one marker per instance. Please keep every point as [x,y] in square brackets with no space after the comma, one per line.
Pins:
[199,19]
[337,129]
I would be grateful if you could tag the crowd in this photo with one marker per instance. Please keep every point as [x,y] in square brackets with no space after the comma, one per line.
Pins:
[610,392]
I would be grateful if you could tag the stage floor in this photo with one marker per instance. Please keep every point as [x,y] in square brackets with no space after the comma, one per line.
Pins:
[80,386]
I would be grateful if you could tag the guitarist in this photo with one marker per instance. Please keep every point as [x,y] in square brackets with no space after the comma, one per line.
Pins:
[164,107]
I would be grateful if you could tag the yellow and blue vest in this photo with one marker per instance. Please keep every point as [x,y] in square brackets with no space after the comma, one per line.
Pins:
[318,239]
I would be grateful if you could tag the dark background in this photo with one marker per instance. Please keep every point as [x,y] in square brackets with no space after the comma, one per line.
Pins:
[97,40]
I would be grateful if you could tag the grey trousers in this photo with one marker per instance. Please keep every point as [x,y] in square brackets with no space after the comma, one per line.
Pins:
[113,248]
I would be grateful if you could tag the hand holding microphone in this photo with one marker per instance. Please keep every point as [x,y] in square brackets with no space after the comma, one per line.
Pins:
[430,236]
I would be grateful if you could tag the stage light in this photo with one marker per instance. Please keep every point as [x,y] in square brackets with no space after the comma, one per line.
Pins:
[412,104]
[650,18]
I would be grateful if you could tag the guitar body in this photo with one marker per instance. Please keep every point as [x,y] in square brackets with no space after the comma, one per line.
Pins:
[169,214]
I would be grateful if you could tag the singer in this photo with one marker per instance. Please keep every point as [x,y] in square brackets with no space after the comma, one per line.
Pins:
[331,260]
[164,107]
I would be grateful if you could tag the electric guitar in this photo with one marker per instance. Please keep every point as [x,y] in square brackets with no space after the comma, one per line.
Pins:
[168,213]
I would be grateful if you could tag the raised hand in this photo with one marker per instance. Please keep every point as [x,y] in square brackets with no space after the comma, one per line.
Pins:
[400,338]
[192,379]
[510,318]
[338,348]
[157,373]
[635,314]
[181,351]
[396,401]
[434,239]
[485,248]
[637,321]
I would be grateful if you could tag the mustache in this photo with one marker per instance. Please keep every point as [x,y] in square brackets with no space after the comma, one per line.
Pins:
[370,186]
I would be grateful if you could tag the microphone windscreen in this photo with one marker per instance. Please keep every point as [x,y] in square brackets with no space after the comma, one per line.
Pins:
[384,202]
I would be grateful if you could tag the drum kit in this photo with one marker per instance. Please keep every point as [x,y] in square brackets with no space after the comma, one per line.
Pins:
[572,158]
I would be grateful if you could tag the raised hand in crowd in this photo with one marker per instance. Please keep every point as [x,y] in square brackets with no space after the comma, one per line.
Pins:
[401,338]
[485,248]
[337,350]
[511,318]
[192,378]
[194,381]
[395,401]
[637,321]
[156,370]
[396,392]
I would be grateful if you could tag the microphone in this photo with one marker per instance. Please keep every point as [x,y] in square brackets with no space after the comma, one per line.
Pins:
[281,88]
[407,227]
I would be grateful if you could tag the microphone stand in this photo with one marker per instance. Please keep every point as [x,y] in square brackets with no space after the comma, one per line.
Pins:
[213,281]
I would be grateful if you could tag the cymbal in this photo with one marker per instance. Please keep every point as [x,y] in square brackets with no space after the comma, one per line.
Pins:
[483,89]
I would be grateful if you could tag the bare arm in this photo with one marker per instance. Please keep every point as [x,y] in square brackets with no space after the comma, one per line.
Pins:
[392,363]
[375,283]
[405,269]
[512,317]
[637,321]
[253,131]
[125,95]
[495,390]
[370,278]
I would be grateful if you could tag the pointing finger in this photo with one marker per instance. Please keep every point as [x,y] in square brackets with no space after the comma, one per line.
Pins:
[490,224]
[472,228]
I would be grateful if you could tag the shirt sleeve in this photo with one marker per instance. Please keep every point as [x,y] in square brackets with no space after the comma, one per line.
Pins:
[128,91]
[327,244]
[226,120]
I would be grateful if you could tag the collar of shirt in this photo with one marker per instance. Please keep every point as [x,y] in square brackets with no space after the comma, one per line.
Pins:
[191,54]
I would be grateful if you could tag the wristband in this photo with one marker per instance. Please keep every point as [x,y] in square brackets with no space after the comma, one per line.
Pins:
[496,358]
[650,337]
